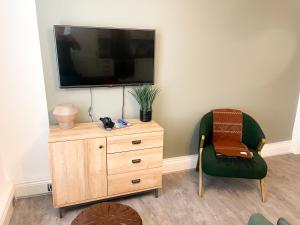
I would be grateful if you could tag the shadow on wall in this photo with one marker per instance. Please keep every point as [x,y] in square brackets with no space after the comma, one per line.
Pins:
[194,146]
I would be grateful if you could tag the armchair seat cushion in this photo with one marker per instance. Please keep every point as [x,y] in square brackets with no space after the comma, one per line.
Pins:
[255,168]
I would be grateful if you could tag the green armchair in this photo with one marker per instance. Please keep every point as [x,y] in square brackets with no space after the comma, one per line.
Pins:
[258,219]
[210,164]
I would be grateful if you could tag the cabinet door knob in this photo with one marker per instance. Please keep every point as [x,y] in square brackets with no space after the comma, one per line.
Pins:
[136,142]
[100,146]
[136,160]
[136,181]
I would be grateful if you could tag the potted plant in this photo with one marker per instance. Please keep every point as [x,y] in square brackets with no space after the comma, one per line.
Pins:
[145,96]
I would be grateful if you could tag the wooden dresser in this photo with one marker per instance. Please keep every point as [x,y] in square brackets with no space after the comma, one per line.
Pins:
[89,163]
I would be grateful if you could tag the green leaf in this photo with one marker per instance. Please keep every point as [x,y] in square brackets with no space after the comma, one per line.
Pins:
[145,96]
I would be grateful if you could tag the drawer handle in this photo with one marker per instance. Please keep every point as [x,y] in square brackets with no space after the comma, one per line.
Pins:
[136,160]
[136,142]
[100,146]
[136,181]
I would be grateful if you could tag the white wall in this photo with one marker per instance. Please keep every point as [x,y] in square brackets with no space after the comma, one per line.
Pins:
[209,54]
[3,178]
[24,119]
[6,192]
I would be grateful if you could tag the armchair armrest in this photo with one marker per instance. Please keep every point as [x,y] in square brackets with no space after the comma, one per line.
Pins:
[206,129]
[202,139]
[261,145]
[282,221]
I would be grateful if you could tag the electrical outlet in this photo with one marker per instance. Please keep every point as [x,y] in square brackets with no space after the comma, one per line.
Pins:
[49,187]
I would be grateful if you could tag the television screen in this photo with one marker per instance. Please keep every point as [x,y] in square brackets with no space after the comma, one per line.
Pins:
[90,56]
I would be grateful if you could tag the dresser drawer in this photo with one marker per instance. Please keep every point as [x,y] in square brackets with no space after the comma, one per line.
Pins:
[131,161]
[135,181]
[134,142]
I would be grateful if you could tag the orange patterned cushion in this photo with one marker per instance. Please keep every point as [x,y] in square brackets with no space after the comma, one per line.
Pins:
[227,133]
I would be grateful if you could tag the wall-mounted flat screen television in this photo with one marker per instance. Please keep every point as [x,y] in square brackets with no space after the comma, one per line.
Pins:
[90,56]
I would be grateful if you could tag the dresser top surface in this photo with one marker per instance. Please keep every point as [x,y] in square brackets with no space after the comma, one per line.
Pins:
[92,130]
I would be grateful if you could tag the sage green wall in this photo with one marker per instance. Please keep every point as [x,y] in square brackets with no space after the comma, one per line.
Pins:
[209,54]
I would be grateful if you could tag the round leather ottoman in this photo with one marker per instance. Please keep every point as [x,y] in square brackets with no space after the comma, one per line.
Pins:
[108,214]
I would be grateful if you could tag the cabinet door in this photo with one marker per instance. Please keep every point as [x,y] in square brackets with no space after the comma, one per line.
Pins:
[96,168]
[78,170]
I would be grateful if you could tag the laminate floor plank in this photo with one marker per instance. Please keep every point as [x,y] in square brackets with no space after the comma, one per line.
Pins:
[225,201]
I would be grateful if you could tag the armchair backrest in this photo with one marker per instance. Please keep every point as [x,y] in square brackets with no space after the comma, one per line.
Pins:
[259,219]
[252,132]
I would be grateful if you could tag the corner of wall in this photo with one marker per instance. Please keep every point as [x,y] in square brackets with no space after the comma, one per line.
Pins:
[296,131]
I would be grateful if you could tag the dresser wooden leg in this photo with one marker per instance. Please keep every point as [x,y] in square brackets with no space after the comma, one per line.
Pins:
[157,192]
[60,213]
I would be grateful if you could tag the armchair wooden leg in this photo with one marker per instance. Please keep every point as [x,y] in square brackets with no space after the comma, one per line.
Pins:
[200,191]
[199,165]
[262,190]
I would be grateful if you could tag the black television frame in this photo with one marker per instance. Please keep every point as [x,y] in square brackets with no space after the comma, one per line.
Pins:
[104,85]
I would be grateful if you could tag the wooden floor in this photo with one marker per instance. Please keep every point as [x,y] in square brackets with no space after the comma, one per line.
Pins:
[225,201]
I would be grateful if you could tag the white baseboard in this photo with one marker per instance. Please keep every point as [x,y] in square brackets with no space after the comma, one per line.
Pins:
[296,148]
[189,162]
[170,165]
[180,163]
[277,148]
[6,207]
[28,189]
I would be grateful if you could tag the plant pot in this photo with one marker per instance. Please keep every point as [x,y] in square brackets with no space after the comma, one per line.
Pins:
[145,116]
